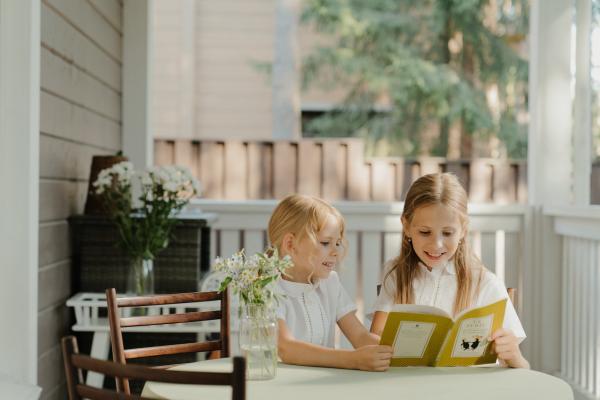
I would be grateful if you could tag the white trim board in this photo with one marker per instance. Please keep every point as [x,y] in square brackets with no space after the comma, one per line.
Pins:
[19,174]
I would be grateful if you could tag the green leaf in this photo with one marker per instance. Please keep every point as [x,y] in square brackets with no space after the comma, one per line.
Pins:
[224,284]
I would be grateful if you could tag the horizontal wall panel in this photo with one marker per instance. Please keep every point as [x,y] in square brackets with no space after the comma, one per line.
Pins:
[53,324]
[60,199]
[63,38]
[76,86]
[82,15]
[56,280]
[50,370]
[54,242]
[59,117]
[61,159]
[112,11]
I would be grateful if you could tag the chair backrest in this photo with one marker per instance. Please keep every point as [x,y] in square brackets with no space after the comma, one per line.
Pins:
[75,363]
[117,323]
[512,292]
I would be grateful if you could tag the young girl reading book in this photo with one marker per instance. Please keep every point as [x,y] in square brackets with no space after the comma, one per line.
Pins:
[436,266]
[311,232]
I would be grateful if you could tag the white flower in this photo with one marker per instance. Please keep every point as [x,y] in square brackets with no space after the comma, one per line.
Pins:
[253,277]
[171,187]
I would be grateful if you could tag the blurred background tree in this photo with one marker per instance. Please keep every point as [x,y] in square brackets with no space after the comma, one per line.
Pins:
[423,77]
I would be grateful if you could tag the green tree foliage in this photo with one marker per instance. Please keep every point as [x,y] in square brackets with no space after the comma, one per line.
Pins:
[413,66]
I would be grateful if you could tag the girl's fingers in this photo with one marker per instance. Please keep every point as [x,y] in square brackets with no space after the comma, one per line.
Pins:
[503,349]
[497,334]
[504,340]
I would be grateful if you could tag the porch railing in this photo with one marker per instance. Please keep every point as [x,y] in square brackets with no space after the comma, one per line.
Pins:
[373,234]
[580,341]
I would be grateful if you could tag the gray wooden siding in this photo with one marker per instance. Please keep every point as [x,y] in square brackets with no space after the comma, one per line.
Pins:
[80,116]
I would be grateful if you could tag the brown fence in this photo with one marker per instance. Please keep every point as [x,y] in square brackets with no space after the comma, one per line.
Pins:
[334,169]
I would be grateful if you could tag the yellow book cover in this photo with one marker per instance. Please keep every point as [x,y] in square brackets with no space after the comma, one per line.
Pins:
[428,336]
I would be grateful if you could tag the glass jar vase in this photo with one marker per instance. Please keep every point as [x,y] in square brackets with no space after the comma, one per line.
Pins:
[258,340]
[140,277]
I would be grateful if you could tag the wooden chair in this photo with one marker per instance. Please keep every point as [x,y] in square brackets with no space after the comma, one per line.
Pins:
[117,323]
[512,292]
[75,363]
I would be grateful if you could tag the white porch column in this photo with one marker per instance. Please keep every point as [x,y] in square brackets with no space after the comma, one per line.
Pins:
[582,113]
[286,76]
[19,177]
[137,75]
[550,171]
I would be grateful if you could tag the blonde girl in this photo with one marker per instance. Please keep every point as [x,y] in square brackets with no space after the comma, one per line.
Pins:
[311,232]
[436,266]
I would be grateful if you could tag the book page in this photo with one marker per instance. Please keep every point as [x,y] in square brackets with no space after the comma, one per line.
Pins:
[471,339]
[412,339]
[466,343]
[419,309]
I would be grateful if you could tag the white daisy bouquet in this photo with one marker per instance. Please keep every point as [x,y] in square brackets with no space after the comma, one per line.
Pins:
[145,226]
[253,278]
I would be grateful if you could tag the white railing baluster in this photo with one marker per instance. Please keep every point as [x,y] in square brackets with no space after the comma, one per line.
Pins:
[584,311]
[230,242]
[512,270]
[391,245]
[253,241]
[370,266]
[596,318]
[577,313]
[564,309]
[488,250]
[590,348]
[349,270]
[475,238]
[571,309]
[499,245]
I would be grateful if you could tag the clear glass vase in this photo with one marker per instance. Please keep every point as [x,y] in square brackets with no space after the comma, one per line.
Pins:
[140,278]
[258,340]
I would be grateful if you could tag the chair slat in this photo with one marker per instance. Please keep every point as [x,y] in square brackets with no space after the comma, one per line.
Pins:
[77,390]
[158,300]
[172,349]
[149,374]
[170,318]
[92,393]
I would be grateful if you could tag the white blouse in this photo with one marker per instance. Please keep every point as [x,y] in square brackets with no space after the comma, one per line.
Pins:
[312,311]
[438,288]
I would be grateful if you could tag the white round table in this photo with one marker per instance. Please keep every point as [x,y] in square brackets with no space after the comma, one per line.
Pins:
[313,383]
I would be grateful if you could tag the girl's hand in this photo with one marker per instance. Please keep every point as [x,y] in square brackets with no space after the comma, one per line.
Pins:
[506,346]
[372,357]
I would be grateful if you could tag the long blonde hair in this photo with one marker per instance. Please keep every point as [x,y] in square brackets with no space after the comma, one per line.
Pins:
[304,217]
[444,189]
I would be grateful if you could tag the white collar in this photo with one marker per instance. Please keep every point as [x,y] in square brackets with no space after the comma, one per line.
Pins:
[449,268]
[297,289]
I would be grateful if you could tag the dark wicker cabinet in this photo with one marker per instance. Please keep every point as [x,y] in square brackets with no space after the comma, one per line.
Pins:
[98,263]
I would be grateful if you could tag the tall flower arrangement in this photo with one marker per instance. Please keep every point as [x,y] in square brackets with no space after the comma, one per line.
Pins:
[145,225]
[253,279]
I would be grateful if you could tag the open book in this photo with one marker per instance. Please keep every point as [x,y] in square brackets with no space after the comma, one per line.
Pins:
[424,335]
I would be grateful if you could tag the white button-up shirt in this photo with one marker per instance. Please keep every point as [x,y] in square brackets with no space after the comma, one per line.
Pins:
[311,311]
[438,288]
